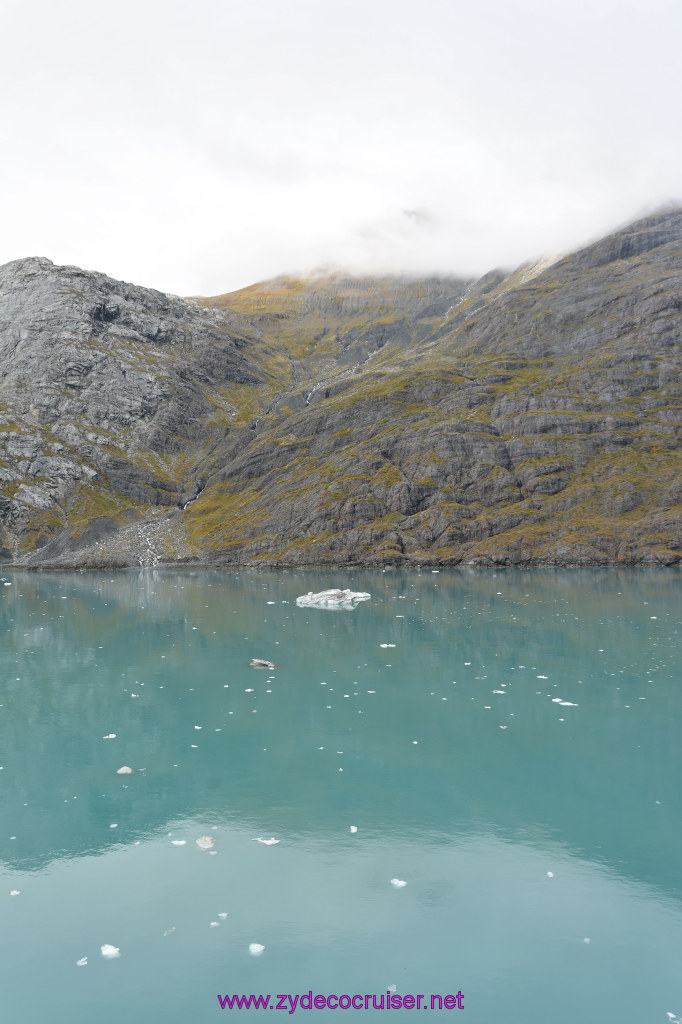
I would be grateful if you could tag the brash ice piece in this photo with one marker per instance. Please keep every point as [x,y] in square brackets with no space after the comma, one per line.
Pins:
[332,599]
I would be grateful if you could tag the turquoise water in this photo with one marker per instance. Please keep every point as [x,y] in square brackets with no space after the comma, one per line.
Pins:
[522,827]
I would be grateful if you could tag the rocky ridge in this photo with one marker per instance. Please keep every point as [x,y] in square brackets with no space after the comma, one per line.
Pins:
[525,418]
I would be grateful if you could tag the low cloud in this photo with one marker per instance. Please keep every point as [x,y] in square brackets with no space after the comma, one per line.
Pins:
[204,151]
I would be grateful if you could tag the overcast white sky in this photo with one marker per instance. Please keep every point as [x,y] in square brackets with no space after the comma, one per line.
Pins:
[199,147]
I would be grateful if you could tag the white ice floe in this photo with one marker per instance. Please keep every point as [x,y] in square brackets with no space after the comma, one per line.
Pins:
[397,883]
[169,931]
[587,941]
[261,663]
[223,915]
[15,892]
[550,874]
[178,842]
[255,948]
[354,828]
[567,704]
[110,952]
[83,962]
[267,842]
[205,842]
[214,924]
[386,645]
[332,599]
[125,770]
[111,736]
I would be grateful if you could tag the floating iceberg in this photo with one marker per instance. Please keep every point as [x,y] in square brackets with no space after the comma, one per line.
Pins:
[110,952]
[332,599]
[261,663]
[205,842]
[255,948]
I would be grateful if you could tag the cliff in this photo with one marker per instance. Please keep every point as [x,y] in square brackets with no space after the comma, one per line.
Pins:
[525,418]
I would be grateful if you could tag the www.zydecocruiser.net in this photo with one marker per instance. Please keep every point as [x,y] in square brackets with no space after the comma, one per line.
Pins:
[308,1001]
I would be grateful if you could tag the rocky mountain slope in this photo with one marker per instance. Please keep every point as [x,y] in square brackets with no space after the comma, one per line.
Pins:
[525,418]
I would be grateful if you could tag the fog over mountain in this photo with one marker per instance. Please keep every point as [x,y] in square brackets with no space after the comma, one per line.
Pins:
[198,149]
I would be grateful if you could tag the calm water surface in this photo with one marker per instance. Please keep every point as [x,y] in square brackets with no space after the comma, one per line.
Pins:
[507,744]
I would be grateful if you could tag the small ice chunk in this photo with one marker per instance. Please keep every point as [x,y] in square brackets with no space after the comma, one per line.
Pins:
[393,988]
[397,883]
[261,663]
[198,726]
[386,645]
[567,704]
[542,677]
[169,931]
[223,915]
[205,842]
[115,825]
[83,962]
[111,736]
[332,599]
[550,874]
[587,941]
[354,828]
[125,770]
[178,842]
[15,892]
[214,924]
[267,842]
[110,952]
[255,948]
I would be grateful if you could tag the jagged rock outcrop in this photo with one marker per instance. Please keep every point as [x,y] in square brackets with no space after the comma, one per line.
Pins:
[526,418]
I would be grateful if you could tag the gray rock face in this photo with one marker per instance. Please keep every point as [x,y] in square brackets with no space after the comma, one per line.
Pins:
[526,418]
[97,379]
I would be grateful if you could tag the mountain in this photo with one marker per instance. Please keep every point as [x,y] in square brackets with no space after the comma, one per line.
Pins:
[529,418]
